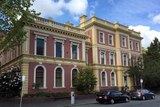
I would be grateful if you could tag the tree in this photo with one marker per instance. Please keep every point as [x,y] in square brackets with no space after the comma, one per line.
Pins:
[13,14]
[135,70]
[86,81]
[151,65]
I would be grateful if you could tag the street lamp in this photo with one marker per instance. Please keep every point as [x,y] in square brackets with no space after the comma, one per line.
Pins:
[141,81]
[23,79]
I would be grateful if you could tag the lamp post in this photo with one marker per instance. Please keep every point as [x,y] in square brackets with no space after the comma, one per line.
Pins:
[141,81]
[23,79]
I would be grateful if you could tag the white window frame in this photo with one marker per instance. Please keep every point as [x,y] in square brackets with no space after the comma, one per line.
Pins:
[71,74]
[113,58]
[104,56]
[124,54]
[124,41]
[44,75]
[103,41]
[77,50]
[114,78]
[131,44]
[35,45]
[110,36]
[62,41]
[137,46]
[105,79]
[63,77]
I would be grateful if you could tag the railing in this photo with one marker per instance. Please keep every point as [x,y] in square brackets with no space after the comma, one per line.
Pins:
[49,22]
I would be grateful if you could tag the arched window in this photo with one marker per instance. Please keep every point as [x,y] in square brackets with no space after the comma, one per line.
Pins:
[59,77]
[113,79]
[103,79]
[74,77]
[40,76]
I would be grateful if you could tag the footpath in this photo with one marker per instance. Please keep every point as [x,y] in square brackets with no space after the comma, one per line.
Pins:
[49,103]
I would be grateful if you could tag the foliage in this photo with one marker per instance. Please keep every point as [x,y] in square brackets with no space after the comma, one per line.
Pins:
[10,83]
[151,65]
[135,70]
[13,14]
[86,81]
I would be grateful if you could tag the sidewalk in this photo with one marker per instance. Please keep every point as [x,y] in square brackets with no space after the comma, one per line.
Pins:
[55,103]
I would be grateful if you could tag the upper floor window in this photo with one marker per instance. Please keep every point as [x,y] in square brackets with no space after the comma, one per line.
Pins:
[110,39]
[40,46]
[131,44]
[87,60]
[137,46]
[124,42]
[101,37]
[59,49]
[102,57]
[125,59]
[75,51]
[112,58]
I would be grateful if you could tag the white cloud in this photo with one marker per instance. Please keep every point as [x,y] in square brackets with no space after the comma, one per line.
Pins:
[51,8]
[156,19]
[147,33]
[93,6]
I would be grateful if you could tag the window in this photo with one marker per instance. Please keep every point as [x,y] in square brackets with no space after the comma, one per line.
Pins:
[101,37]
[103,79]
[110,39]
[125,60]
[102,57]
[75,51]
[40,76]
[59,49]
[40,45]
[59,81]
[74,77]
[125,80]
[131,44]
[112,58]
[137,46]
[87,56]
[113,79]
[124,41]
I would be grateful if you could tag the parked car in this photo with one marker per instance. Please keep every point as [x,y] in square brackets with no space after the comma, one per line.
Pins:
[112,97]
[142,94]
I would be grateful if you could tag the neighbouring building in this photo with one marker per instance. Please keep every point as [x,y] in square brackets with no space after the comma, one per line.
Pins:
[53,52]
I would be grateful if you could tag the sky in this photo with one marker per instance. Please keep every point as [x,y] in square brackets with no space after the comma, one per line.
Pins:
[141,15]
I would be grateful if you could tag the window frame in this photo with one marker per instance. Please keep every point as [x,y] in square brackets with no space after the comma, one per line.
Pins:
[113,53]
[101,56]
[55,45]
[124,41]
[35,48]
[131,44]
[103,37]
[44,76]
[137,46]
[76,44]
[112,39]
[115,83]
[72,75]
[124,54]
[106,83]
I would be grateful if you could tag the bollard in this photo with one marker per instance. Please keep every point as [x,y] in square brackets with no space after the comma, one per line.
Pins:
[72,97]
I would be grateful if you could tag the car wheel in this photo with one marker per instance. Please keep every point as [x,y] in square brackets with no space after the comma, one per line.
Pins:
[112,101]
[153,97]
[143,98]
[126,100]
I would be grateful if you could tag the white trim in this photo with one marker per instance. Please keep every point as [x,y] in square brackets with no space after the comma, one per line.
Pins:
[113,58]
[115,80]
[105,78]
[125,59]
[60,38]
[86,54]
[110,35]
[77,50]
[131,44]
[35,44]
[125,41]
[75,41]
[44,75]
[41,34]
[71,74]
[137,46]
[104,56]
[63,77]
[100,37]
[62,47]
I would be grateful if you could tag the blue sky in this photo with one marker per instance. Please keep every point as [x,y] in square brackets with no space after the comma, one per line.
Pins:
[140,15]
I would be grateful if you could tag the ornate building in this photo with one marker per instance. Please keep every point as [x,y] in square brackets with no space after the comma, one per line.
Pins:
[52,53]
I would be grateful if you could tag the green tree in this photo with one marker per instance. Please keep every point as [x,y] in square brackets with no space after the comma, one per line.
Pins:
[151,73]
[13,14]
[86,81]
[135,70]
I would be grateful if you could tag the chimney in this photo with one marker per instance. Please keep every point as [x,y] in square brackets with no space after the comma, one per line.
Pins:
[83,19]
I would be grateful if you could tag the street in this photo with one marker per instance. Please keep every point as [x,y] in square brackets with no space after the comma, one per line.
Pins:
[132,103]
[85,102]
